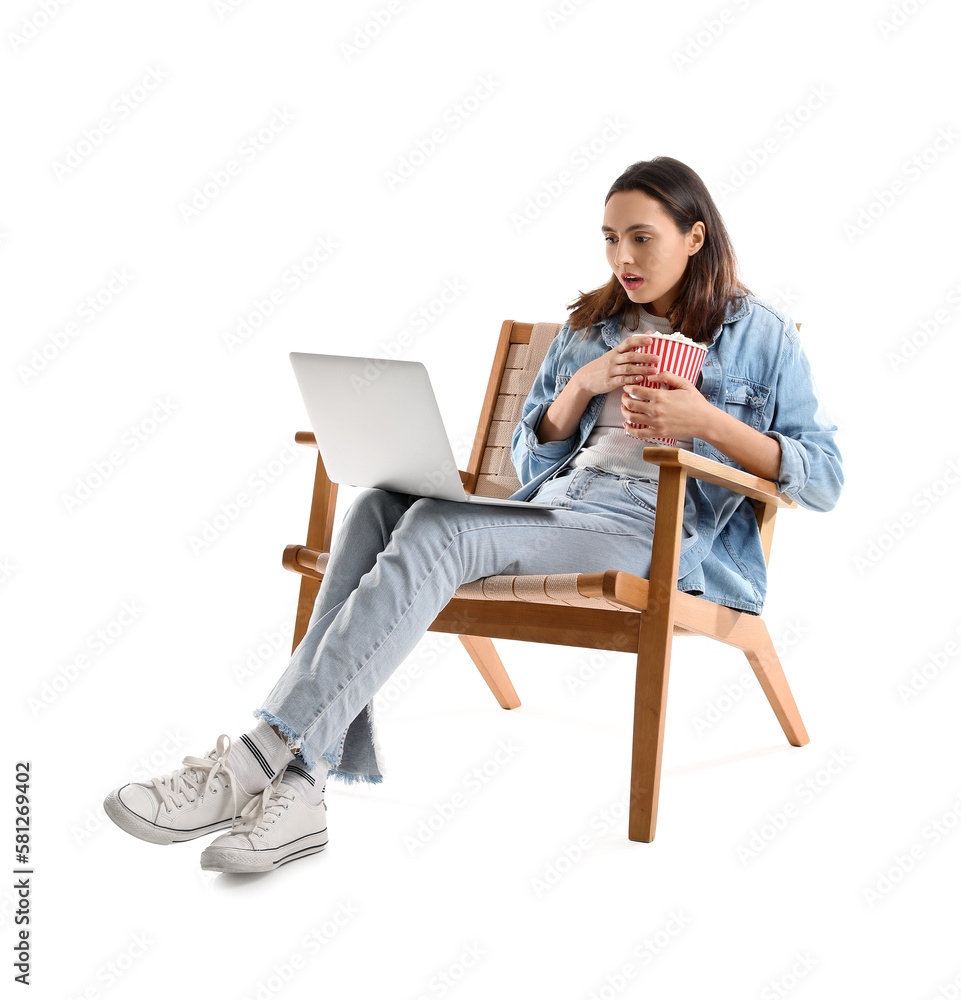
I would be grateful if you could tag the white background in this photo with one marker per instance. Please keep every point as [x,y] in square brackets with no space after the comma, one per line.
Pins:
[832,222]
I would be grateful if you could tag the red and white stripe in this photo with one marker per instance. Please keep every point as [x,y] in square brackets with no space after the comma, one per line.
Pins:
[681,359]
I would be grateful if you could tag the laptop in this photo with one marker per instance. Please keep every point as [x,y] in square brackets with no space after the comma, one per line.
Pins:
[377,424]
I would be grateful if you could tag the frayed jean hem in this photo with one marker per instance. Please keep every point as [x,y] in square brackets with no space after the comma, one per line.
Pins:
[293,740]
[350,778]
[332,761]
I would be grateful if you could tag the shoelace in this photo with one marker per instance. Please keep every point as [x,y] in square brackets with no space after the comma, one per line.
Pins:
[197,774]
[261,807]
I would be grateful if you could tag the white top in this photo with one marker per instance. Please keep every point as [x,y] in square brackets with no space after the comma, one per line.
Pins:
[608,447]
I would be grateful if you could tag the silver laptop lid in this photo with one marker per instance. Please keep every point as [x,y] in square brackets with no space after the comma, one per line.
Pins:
[377,424]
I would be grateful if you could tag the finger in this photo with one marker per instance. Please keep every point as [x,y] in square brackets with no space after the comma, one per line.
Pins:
[640,360]
[649,364]
[637,341]
[640,394]
[631,405]
[672,380]
[639,364]
[629,344]
[626,379]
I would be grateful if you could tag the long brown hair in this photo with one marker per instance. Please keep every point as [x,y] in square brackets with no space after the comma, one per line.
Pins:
[710,282]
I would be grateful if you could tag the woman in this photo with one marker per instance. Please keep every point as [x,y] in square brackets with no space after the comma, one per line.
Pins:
[398,559]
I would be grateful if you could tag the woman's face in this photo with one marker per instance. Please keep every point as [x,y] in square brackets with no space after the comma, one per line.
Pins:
[642,241]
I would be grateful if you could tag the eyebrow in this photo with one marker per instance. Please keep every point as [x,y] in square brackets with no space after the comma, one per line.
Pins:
[637,225]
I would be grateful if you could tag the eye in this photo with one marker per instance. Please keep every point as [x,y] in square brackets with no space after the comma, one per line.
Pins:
[642,239]
[608,239]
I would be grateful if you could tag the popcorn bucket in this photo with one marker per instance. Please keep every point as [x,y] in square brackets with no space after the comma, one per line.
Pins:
[678,354]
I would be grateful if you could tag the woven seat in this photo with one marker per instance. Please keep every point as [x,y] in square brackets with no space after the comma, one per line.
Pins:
[613,610]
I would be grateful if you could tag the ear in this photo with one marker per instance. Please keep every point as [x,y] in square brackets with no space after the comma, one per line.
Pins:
[695,238]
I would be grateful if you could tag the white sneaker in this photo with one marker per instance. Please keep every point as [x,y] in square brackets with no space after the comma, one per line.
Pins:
[200,798]
[277,826]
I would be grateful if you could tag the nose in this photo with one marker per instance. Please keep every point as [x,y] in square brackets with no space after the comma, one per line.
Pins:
[622,252]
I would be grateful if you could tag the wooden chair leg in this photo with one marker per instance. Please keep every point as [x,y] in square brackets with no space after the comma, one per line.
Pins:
[654,641]
[650,710]
[309,588]
[489,664]
[767,668]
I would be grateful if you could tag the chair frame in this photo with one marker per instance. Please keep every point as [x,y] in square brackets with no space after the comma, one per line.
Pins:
[633,614]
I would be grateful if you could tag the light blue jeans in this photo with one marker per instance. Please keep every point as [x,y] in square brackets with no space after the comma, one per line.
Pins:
[394,565]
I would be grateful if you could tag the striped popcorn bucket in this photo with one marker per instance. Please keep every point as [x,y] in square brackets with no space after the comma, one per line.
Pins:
[678,356]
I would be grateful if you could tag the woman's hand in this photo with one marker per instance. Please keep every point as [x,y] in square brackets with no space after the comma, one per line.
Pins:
[619,367]
[675,409]
[611,371]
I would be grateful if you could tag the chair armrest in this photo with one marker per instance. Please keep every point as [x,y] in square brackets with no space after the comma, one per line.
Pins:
[320,524]
[762,490]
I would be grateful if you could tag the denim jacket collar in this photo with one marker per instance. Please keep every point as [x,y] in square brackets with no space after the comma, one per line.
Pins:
[737,309]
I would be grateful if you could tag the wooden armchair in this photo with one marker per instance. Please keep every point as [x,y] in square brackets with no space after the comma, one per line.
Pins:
[613,610]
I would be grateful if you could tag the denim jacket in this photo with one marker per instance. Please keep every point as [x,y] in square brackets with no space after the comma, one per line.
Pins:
[756,370]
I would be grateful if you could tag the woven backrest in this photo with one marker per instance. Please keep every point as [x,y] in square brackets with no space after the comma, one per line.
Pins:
[516,364]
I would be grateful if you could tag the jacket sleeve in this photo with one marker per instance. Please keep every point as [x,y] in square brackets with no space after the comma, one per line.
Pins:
[810,471]
[530,456]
